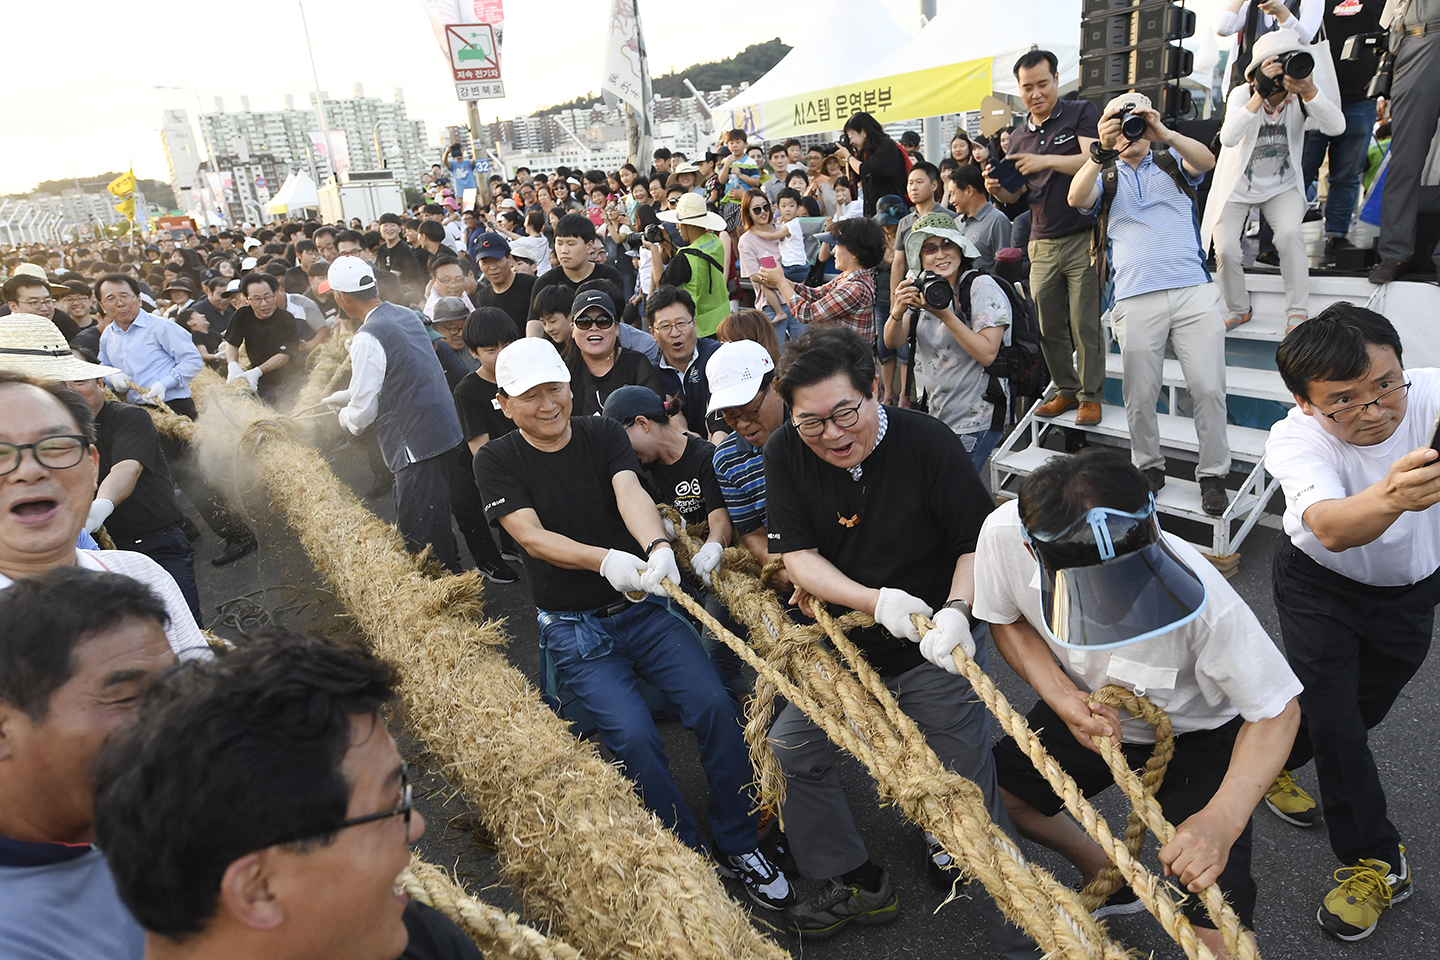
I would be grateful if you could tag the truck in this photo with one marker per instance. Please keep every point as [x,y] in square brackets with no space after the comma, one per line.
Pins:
[361,193]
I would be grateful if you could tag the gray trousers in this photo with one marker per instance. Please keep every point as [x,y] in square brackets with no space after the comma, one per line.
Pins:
[1414,112]
[822,832]
[1189,319]
[1067,296]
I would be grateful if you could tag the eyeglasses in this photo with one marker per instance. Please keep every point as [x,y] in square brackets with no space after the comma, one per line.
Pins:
[38,302]
[1351,413]
[760,208]
[59,452]
[843,418]
[748,412]
[601,323]
[262,299]
[930,249]
[676,327]
[115,298]
[403,810]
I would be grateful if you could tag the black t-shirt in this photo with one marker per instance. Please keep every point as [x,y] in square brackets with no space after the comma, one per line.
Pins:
[1344,19]
[688,484]
[916,509]
[434,936]
[479,410]
[1051,215]
[556,275]
[126,432]
[399,261]
[572,493]
[630,368]
[263,339]
[515,301]
[882,174]
[67,326]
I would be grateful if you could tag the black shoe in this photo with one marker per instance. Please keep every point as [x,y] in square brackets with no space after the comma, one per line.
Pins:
[1269,257]
[1118,904]
[234,550]
[498,572]
[1386,270]
[765,883]
[838,904]
[1312,214]
[939,865]
[1156,476]
[1213,497]
[187,527]
[1334,245]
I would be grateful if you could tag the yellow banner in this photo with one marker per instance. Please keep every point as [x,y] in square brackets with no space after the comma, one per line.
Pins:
[905,96]
[126,207]
[123,184]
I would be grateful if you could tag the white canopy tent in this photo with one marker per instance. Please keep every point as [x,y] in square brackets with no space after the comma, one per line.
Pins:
[296,193]
[836,49]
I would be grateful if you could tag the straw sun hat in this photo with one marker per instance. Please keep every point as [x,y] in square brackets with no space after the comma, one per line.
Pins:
[35,347]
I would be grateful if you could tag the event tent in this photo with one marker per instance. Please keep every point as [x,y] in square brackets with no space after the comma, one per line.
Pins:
[296,193]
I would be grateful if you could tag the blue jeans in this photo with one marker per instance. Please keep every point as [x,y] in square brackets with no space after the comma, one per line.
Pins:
[1347,164]
[602,661]
[979,445]
[787,328]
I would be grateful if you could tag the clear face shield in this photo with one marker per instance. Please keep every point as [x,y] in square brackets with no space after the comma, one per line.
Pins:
[1110,579]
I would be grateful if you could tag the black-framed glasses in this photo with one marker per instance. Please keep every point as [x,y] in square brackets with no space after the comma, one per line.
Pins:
[59,452]
[843,418]
[585,323]
[403,810]
[760,208]
[1349,414]
[748,412]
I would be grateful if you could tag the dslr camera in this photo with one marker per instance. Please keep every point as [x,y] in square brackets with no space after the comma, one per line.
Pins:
[656,233]
[1132,126]
[935,290]
[1297,65]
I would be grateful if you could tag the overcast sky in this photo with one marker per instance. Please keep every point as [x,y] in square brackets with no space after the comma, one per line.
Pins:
[90,79]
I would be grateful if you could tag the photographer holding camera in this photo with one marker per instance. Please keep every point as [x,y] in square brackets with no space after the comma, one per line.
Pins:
[699,266]
[953,343]
[1262,143]
[1162,290]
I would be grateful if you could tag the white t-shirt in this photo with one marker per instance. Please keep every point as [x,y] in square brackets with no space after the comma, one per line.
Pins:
[1311,466]
[792,247]
[184,636]
[1201,674]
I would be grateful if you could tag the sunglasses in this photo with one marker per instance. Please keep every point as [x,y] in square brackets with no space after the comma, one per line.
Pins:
[602,323]
[760,208]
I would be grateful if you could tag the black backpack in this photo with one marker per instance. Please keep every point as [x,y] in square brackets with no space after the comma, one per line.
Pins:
[1020,363]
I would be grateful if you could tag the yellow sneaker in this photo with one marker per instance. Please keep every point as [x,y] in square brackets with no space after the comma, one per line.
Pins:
[1351,911]
[1291,804]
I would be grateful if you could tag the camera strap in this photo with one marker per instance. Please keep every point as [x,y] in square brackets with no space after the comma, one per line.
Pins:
[1110,182]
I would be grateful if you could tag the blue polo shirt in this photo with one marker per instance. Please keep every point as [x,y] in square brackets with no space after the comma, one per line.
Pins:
[1154,231]
[740,468]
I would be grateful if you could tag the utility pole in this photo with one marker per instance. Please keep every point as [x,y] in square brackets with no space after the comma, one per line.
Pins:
[930,126]
[319,101]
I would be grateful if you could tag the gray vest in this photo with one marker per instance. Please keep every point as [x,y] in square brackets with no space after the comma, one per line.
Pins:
[417,418]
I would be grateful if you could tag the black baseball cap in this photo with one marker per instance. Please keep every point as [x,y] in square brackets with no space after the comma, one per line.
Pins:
[592,298]
[910,138]
[492,246]
[633,401]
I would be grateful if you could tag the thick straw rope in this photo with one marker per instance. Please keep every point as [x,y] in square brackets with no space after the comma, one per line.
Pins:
[499,934]
[576,843]
[906,770]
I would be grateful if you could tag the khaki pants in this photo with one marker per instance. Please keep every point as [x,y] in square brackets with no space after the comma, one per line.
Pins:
[1189,319]
[1067,296]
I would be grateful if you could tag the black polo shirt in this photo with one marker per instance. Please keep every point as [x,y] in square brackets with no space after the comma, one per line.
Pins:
[125,432]
[916,509]
[1051,215]
[263,339]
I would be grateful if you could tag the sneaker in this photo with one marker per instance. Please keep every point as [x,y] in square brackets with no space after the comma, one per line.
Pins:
[764,882]
[838,904]
[1118,904]
[498,572]
[509,556]
[1351,911]
[940,865]
[1291,804]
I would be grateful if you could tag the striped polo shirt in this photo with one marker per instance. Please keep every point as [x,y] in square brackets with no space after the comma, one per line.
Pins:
[1154,232]
[740,468]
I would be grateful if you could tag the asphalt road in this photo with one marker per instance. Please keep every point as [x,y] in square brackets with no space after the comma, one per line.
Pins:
[1293,866]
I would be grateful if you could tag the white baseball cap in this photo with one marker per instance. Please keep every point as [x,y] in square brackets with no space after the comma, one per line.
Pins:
[349,274]
[233,286]
[527,363]
[735,372]
[250,243]
[248,263]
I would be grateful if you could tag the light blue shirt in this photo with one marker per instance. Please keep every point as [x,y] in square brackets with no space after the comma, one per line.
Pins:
[1154,233]
[154,350]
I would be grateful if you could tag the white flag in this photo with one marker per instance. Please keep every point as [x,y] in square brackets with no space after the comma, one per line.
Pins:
[627,75]
[443,12]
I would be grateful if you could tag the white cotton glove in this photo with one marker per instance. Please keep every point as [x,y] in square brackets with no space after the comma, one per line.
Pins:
[623,571]
[670,527]
[233,371]
[253,375]
[155,395]
[706,559]
[119,383]
[952,629]
[893,610]
[659,568]
[338,399]
[100,511]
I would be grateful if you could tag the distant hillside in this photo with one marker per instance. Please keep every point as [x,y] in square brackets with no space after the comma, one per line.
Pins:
[747,66]
[155,191]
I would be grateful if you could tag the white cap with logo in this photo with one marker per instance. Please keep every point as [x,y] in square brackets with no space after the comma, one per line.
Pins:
[350,275]
[527,363]
[735,372]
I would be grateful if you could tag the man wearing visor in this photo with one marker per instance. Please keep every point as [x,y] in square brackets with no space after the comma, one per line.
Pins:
[1082,589]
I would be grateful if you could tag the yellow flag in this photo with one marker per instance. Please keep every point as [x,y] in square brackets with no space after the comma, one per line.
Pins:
[126,207]
[123,184]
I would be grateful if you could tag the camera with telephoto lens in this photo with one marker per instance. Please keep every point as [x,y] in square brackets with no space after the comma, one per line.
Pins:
[935,290]
[656,233]
[1132,127]
[1297,65]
